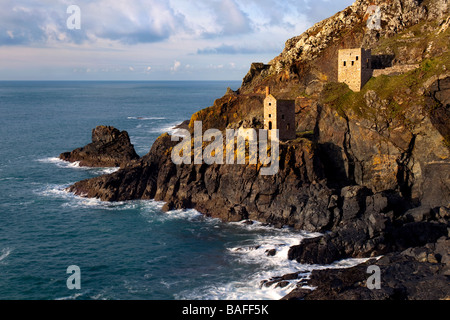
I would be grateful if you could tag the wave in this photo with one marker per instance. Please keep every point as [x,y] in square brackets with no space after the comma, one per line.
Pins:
[170,128]
[74,296]
[4,254]
[76,165]
[267,258]
[59,191]
[146,118]
[263,257]
[182,214]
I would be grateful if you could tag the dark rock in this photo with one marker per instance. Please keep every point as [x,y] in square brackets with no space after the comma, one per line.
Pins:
[359,234]
[183,125]
[374,181]
[365,238]
[419,214]
[109,148]
[402,278]
[354,201]
[290,276]
[281,282]
[444,213]
[256,69]
[414,234]
[271,252]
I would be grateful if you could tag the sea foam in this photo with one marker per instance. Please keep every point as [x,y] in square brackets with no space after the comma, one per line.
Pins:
[254,254]
[76,165]
[146,118]
[4,254]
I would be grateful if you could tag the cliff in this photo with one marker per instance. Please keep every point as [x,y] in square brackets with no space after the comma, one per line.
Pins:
[109,148]
[371,167]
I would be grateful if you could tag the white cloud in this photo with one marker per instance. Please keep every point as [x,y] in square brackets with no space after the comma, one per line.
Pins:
[160,33]
[149,21]
[176,66]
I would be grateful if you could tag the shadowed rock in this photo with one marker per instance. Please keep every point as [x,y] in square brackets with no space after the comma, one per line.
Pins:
[109,148]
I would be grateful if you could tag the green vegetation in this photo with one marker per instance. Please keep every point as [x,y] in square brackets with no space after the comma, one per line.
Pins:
[339,97]
[416,38]
[309,135]
[394,94]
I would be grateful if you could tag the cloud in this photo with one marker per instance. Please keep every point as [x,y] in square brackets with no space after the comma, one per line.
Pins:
[231,18]
[117,34]
[132,22]
[176,66]
[128,22]
[25,22]
[28,22]
[232,49]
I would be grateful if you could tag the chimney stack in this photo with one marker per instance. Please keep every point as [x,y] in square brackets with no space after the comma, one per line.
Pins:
[267,91]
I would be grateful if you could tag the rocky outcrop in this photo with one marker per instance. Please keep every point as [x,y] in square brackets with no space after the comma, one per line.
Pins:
[421,273]
[109,148]
[348,28]
[230,192]
[373,234]
[395,70]
[369,169]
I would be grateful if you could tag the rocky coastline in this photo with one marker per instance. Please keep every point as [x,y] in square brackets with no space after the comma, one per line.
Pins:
[109,148]
[369,170]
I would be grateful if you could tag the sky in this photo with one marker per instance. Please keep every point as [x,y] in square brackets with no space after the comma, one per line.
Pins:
[149,39]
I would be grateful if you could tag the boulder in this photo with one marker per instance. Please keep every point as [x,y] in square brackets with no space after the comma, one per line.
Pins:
[402,277]
[109,148]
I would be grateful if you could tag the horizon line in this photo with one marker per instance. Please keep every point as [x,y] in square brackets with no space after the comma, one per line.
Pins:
[78,80]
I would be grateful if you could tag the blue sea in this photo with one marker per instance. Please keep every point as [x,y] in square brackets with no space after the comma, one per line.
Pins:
[127,250]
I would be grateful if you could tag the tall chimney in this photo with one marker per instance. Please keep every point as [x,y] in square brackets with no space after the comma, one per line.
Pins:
[267,91]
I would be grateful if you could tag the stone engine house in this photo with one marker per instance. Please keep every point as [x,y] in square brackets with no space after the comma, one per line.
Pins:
[279,114]
[355,67]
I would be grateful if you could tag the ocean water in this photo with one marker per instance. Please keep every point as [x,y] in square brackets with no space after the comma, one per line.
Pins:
[126,250]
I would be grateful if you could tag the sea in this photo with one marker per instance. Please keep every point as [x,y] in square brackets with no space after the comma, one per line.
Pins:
[128,250]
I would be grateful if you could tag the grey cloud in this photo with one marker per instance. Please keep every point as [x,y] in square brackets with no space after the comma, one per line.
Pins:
[28,22]
[232,19]
[140,22]
[31,23]
[21,26]
[230,49]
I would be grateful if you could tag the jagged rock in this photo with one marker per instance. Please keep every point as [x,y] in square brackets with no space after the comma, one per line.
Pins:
[422,213]
[402,277]
[374,176]
[109,148]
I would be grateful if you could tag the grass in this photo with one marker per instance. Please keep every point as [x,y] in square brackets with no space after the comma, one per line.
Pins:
[395,94]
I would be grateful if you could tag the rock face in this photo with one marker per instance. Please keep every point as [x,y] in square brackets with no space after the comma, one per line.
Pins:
[109,148]
[369,168]
[402,277]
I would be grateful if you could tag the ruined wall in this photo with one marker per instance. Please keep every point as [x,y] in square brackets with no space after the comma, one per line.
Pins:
[354,67]
[280,114]
[286,119]
[270,113]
